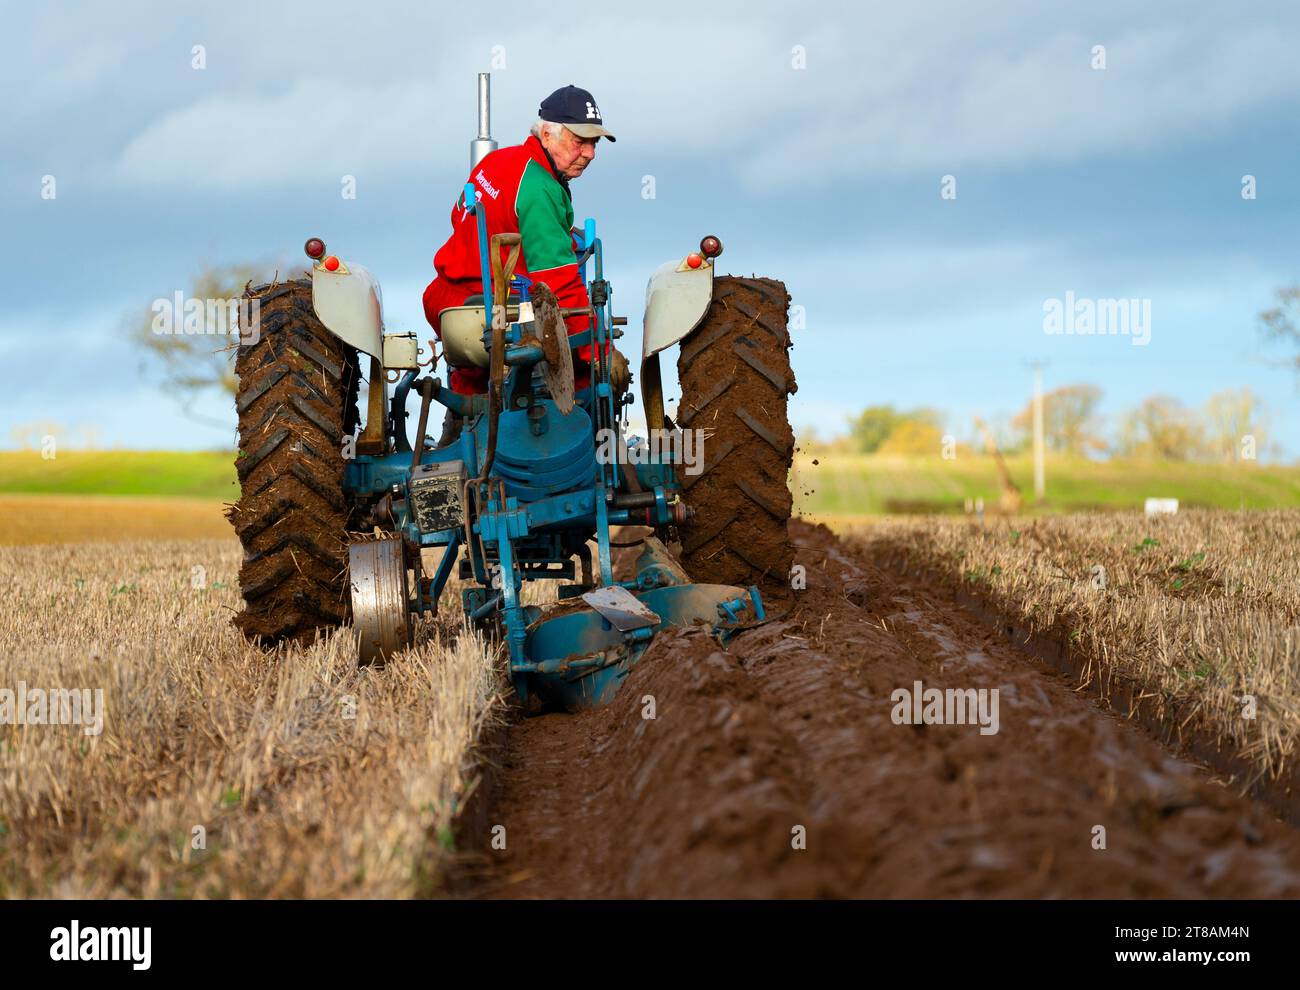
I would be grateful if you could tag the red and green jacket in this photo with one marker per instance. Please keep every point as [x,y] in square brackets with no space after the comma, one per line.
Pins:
[524,195]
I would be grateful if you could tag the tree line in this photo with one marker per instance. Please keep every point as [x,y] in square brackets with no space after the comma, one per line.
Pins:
[1231,425]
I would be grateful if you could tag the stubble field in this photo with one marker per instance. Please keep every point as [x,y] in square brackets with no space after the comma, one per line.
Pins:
[225,771]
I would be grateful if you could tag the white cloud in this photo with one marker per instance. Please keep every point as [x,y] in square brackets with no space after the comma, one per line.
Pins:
[315,127]
[1027,101]
[279,126]
[911,90]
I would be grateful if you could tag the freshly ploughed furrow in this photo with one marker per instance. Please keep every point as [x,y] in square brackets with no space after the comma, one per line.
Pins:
[774,767]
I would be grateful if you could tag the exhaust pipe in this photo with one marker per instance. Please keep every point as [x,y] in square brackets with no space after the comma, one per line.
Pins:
[482,145]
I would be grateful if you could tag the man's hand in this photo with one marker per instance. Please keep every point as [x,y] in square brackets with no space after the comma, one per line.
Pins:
[620,375]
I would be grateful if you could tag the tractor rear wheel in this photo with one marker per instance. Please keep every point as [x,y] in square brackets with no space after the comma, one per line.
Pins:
[296,402]
[735,374]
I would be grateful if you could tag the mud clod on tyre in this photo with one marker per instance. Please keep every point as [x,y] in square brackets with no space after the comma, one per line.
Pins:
[296,401]
[736,380]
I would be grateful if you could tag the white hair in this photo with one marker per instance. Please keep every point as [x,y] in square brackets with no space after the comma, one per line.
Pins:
[551,128]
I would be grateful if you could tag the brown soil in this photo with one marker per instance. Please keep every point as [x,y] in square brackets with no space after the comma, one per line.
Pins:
[735,374]
[296,400]
[789,727]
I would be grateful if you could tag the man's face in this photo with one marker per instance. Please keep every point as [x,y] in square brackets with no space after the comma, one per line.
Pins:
[572,154]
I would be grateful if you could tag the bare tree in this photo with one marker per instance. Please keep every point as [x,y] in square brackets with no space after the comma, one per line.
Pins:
[190,342]
[1231,416]
[1069,419]
[1282,322]
[1162,427]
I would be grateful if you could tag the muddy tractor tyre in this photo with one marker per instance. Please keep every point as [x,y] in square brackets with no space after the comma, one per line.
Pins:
[296,401]
[735,374]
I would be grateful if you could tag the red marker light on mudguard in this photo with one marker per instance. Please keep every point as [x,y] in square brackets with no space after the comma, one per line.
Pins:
[694,260]
[331,264]
[710,246]
[315,248]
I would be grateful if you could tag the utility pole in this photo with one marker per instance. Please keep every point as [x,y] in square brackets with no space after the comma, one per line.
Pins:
[1039,452]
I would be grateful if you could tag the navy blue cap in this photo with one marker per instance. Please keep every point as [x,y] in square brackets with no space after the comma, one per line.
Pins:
[576,109]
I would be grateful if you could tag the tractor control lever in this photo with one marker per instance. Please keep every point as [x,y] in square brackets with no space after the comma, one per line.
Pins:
[427,386]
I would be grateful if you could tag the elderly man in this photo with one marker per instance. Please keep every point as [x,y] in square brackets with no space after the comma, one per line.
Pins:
[526,191]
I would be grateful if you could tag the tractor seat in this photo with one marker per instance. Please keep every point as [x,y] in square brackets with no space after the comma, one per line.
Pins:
[462,331]
[477,300]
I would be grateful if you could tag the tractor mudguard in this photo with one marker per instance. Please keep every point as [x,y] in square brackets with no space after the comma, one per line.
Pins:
[676,299]
[349,303]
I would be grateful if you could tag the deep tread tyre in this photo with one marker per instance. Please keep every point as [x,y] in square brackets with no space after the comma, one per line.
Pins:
[735,374]
[297,399]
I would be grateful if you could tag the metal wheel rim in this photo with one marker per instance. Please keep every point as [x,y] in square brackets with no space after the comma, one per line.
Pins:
[380,610]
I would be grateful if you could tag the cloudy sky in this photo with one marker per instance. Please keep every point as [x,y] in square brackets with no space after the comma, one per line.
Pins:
[813,138]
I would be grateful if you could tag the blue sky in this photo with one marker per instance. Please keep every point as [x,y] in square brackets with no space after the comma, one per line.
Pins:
[1122,182]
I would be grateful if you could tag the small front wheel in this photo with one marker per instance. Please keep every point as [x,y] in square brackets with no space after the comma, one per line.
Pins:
[381,613]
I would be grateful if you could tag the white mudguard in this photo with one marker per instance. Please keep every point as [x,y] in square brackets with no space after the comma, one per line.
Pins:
[676,300]
[348,302]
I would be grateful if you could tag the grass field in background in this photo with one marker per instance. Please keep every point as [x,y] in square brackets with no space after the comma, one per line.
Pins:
[850,485]
[837,490]
[206,474]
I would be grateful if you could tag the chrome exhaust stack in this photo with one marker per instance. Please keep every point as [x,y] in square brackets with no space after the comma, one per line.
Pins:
[482,145]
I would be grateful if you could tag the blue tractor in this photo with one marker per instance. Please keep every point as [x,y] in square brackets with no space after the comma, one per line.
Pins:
[336,524]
